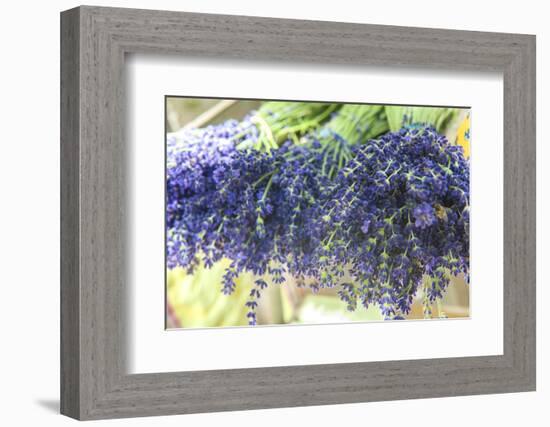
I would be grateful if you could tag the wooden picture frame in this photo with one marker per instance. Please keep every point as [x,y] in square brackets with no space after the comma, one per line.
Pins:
[94,382]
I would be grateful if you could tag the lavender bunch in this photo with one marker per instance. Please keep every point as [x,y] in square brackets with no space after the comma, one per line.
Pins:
[198,157]
[252,210]
[397,212]
[335,208]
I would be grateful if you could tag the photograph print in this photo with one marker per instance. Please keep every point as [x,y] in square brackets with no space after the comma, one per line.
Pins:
[295,212]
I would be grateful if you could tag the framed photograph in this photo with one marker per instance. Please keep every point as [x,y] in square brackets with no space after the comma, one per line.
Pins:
[261,213]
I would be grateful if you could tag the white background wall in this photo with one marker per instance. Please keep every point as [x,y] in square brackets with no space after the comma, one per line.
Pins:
[29,214]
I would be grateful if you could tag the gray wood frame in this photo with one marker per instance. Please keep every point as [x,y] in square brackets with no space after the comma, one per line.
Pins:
[94,41]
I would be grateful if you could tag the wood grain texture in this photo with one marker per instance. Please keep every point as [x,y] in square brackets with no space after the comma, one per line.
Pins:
[95,235]
[70,314]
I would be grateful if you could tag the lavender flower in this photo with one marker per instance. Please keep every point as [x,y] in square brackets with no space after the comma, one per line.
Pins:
[384,212]
[424,215]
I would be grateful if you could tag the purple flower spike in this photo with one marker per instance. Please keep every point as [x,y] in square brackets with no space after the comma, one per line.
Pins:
[424,215]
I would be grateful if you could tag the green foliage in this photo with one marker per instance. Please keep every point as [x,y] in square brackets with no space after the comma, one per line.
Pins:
[279,121]
[400,116]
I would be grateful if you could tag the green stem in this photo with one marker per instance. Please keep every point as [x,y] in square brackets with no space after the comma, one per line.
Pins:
[267,187]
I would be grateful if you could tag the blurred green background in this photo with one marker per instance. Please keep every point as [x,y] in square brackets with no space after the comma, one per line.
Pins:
[182,111]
